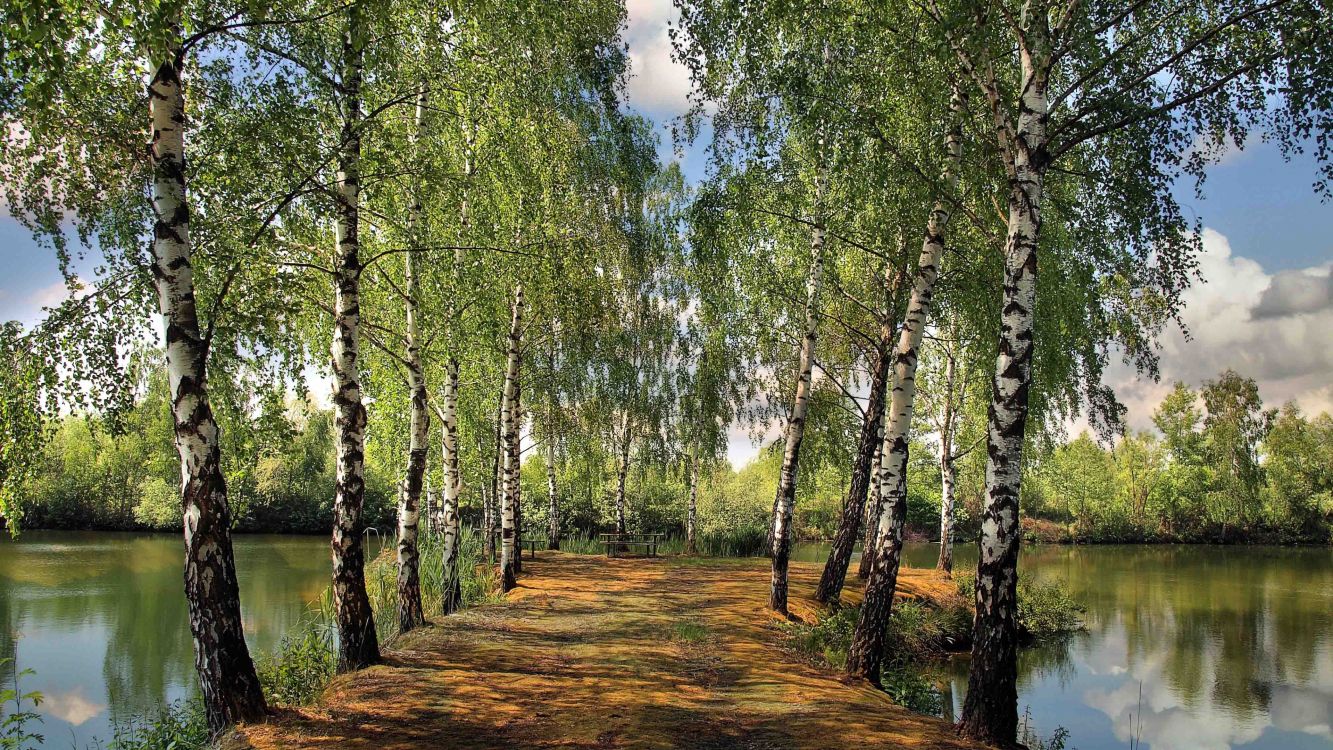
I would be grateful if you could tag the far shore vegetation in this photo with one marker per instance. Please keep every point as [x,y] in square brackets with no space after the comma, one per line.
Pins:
[1219,467]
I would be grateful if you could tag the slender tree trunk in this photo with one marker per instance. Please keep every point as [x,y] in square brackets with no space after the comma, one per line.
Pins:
[553,499]
[875,503]
[516,449]
[411,614]
[358,645]
[451,598]
[990,708]
[491,504]
[622,473]
[949,479]
[867,649]
[947,470]
[849,526]
[874,507]
[227,678]
[786,495]
[510,470]
[691,513]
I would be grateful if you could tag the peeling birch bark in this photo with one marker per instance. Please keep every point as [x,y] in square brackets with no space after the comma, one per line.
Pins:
[867,650]
[509,442]
[227,678]
[358,644]
[451,595]
[990,709]
[411,614]
[786,494]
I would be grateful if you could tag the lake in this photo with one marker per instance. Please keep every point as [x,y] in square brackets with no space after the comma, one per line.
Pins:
[1231,646]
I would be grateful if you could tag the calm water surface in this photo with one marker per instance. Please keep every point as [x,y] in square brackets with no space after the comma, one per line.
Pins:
[101,618]
[1186,647]
[1231,647]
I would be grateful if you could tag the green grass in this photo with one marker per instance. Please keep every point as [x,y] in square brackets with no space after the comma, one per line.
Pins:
[744,542]
[689,631]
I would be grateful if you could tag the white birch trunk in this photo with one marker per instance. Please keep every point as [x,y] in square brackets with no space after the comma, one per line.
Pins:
[451,588]
[553,499]
[948,473]
[509,440]
[691,513]
[990,710]
[866,653]
[358,644]
[227,678]
[786,494]
[411,614]
[622,472]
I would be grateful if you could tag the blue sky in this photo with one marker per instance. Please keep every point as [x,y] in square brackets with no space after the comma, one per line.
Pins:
[1268,239]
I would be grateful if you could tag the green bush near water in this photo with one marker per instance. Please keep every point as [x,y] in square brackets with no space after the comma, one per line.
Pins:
[919,634]
[1045,608]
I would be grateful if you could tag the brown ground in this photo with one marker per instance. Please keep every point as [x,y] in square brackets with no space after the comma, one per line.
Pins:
[624,653]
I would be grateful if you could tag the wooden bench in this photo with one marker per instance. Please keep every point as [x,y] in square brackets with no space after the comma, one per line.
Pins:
[616,543]
[519,544]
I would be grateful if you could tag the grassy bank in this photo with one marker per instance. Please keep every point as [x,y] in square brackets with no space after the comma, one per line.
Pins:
[923,630]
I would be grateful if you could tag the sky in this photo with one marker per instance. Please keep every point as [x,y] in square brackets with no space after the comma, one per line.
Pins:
[1265,308]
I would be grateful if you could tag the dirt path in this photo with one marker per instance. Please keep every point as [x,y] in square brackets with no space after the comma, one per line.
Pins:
[598,653]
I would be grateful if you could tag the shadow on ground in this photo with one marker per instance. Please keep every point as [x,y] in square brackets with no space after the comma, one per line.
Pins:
[592,652]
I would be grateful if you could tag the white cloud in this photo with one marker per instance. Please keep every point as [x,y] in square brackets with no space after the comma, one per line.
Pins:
[72,706]
[1294,292]
[1244,318]
[658,84]
[51,295]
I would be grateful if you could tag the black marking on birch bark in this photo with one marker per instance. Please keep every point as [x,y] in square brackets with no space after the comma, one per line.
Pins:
[854,508]
[228,682]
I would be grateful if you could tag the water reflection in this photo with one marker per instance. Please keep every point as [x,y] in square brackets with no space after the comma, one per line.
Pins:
[1230,647]
[1186,647]
[102,620]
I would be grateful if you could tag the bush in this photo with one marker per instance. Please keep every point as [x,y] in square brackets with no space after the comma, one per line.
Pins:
[304,662]
[159,505]
[180,726]
[14,723]
[1044,608]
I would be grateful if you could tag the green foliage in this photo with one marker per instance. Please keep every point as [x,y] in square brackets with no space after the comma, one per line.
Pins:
[1229,471]
[159,505]
[179,726]
[918,633]
[16,718]
[1045,608]
[912,689]
[297,671]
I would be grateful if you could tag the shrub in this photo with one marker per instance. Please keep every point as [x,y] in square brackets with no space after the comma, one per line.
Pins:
[159,505]
[14,723]
[302,665]
[1045,608]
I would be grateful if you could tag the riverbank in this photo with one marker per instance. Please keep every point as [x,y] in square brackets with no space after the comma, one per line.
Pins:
[625,653]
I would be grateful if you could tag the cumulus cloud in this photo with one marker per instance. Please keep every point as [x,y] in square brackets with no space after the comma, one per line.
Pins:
[658,85]
[1295,292]
[72,706]
[1251,321]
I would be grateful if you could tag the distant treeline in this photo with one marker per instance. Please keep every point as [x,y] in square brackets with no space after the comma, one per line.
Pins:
[1219,468]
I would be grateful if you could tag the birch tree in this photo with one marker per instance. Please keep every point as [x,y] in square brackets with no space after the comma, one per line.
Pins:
[1139,83]
[866,651]
[509,422]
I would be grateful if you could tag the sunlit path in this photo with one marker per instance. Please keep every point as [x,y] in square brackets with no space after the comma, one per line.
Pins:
[624,653]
